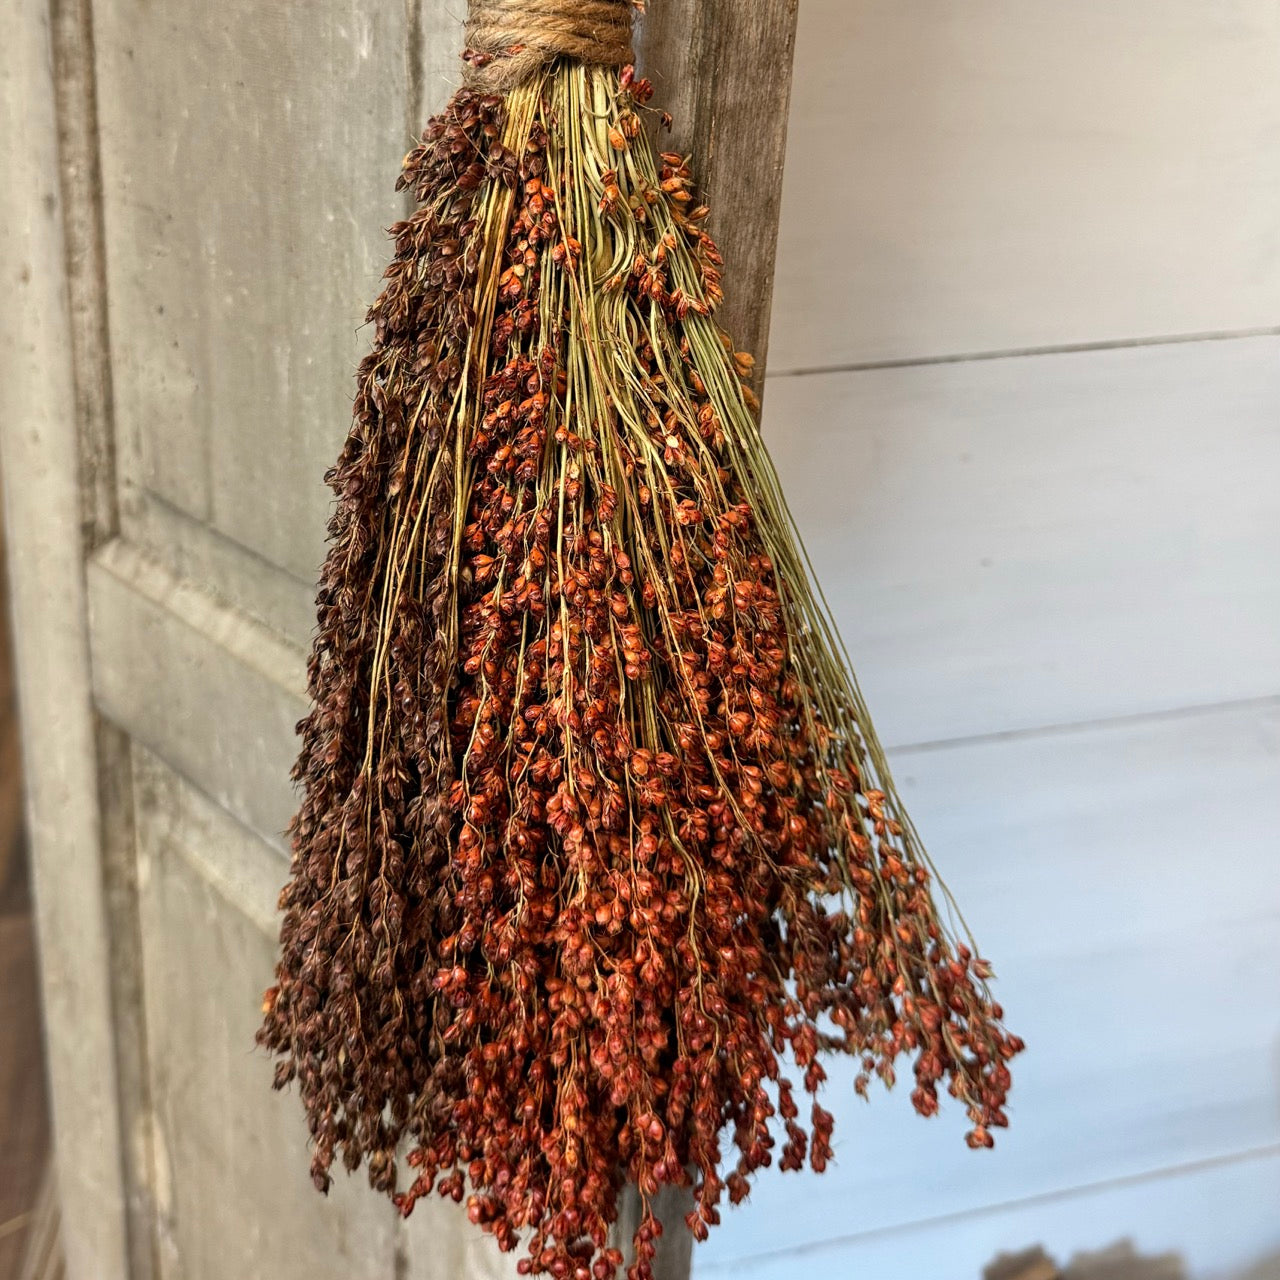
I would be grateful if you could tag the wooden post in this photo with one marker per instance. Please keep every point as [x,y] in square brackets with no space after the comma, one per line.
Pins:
[723,71]
[44,510]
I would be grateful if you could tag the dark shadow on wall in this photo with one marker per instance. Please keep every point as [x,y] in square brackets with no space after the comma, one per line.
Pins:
[1118,1262]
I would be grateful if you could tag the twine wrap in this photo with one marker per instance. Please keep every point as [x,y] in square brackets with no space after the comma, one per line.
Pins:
[510,40]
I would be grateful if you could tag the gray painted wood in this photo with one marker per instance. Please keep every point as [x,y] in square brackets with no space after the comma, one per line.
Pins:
[249,156]
[248,161]
[280,600]
[43,506]
[433,67]
[218,696]
[209,888]
[1008,545]
[1013,173]
[233,1195]
[85,248]
[1014,543]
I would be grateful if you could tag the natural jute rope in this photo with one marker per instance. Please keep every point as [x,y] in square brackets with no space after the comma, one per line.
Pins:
[514,38]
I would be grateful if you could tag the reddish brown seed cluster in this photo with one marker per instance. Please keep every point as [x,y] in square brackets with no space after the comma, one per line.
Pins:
[583,872]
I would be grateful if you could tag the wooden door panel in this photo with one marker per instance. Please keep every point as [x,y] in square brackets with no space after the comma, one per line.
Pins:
[281,600]
[197,207]
[233,1196]
[206,688]
[232,1192]
[248,157]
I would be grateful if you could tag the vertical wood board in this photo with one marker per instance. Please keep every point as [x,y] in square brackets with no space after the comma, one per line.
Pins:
[43,506]
[723,71]
[249,157]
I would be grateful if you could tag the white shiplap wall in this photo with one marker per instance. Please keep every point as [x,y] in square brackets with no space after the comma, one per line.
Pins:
[1026,403]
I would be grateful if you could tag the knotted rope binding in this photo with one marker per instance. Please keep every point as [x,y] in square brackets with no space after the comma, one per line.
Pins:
[509,40]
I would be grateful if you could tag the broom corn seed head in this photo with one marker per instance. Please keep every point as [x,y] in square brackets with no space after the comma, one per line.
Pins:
[597,851]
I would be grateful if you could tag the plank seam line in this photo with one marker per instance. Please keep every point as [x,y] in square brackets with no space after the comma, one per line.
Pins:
[1062,728]
[1013,353]
[1167,1173]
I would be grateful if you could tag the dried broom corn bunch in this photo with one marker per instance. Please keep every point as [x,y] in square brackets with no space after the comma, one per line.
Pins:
[597,845]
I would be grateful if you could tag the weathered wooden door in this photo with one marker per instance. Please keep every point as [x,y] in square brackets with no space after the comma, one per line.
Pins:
[192,223]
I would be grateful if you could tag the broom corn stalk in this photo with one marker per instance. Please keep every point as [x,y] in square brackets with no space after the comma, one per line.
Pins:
[597,848]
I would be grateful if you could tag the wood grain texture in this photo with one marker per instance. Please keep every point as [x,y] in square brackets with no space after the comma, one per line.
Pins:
[44,506]
[219,695]
[77,114]
[233,1197]
[723,71]
[1004,174]
[75,76]
[249,156]
[1085,863]
[191,549]
[1014,543]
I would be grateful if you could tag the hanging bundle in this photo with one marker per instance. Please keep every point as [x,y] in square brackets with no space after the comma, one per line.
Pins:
[597,846]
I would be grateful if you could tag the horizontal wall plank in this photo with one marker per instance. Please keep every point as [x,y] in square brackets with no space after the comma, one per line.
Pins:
[235,1198]
[1122,879]
[1013,543]
[199,683]
[1215,1223]
[1007,174]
